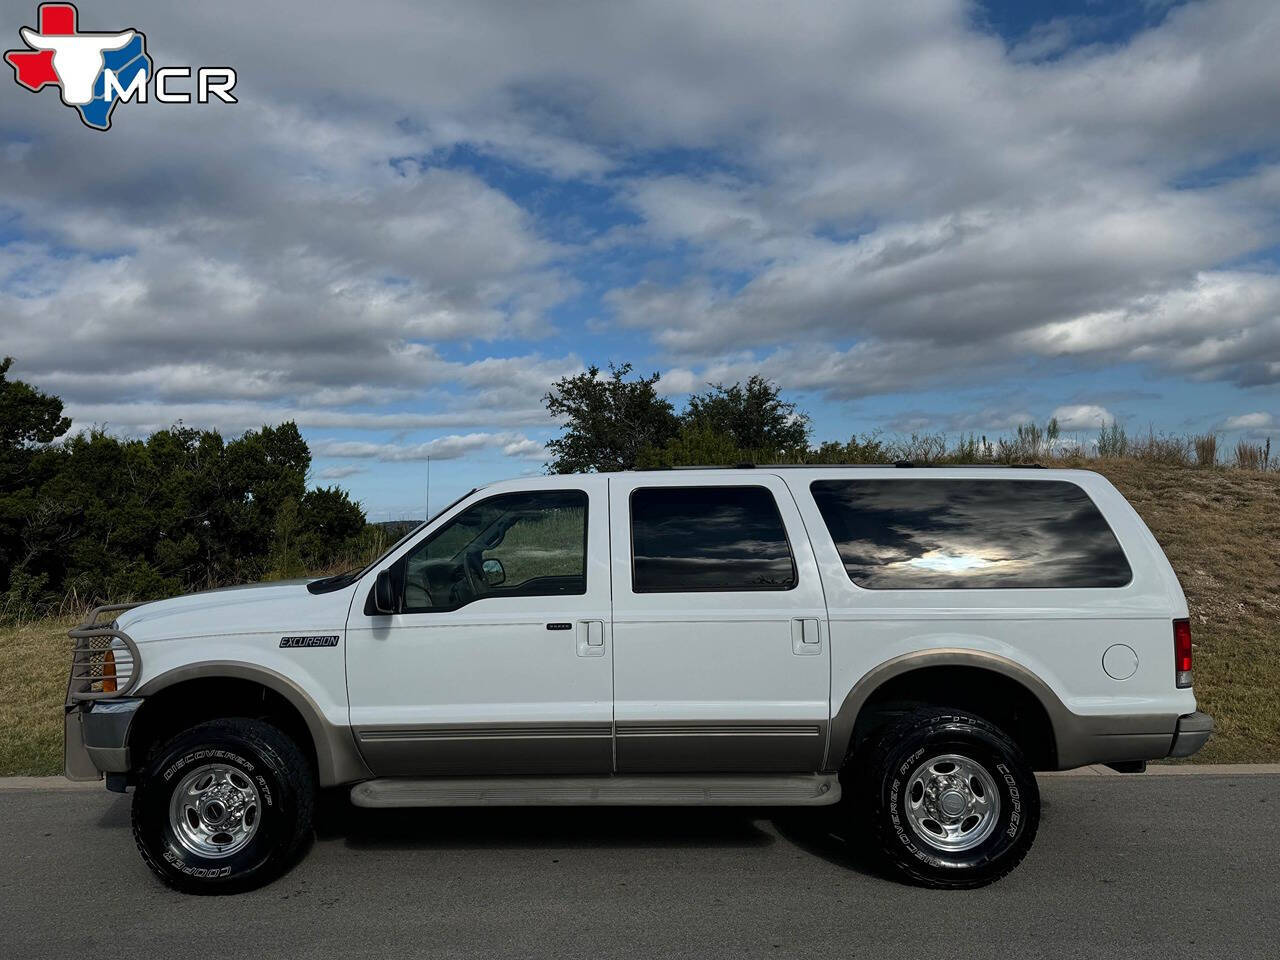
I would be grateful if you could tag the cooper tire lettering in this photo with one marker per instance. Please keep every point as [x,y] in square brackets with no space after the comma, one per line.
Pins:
[285,784]
[883,789]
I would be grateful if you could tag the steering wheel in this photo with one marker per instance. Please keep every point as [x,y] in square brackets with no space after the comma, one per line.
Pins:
[471,568]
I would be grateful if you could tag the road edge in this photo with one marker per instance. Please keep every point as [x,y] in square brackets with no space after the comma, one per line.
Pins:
[1175,769]
[61,784]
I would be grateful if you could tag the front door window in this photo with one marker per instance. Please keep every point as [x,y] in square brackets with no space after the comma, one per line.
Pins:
[511,545]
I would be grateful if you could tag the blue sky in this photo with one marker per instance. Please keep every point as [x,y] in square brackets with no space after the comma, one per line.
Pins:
[928,216]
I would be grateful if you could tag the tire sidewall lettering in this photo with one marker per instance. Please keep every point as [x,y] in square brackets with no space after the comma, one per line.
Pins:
[174,859]
[271,760]
[255,765]
[207,753]
[967,740]
[1015,800]
[264,790]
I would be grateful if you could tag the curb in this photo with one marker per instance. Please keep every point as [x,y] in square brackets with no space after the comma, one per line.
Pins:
[1175,770]
[50,784]
[63,785]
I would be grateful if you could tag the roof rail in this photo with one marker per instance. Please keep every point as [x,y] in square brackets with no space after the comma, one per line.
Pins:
[911,464]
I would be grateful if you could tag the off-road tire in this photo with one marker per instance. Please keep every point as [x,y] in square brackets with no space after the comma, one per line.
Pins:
[881,794]
[280,774]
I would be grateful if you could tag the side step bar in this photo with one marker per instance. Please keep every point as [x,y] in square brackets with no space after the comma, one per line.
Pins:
[715,791]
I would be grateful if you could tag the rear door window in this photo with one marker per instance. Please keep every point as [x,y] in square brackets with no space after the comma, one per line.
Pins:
[693,539]
[920,534]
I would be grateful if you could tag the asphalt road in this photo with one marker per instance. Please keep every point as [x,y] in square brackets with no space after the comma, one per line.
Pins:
[1133,866]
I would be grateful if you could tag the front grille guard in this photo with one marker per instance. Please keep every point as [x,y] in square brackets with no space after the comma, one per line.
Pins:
[91,669]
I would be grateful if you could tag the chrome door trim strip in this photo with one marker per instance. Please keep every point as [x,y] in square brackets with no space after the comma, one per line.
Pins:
[522,731]
[718,729]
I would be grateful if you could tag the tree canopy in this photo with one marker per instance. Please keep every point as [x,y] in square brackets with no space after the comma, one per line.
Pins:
[608,421]
[97,517]
[27,416]
[614,423]
[752,415]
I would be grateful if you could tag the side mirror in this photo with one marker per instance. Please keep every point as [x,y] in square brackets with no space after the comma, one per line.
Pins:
[384,594]
[493,572]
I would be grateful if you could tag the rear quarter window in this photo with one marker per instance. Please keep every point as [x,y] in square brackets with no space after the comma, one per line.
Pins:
[922,534]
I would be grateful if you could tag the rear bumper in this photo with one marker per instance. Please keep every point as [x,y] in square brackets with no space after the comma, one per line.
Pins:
[1192,733]
[96,737]
[1111,738]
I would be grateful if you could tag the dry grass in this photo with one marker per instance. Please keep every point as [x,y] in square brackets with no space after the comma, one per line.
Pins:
[1221,531]
[31,714]
[1206,447]
[1220,528]
[1253,456]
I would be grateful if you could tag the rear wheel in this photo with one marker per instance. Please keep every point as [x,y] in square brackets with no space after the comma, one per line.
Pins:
[223,807]
[950,801]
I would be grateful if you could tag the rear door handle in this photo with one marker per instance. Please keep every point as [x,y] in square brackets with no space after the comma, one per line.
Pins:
[806,637]
[591,638]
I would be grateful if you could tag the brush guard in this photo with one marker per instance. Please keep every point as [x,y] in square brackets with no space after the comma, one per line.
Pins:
[105,662]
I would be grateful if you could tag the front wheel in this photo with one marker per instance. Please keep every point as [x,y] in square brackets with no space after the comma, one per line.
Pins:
[949,799]
[223,807]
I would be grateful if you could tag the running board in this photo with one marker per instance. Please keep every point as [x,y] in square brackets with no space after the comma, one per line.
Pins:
[713,791]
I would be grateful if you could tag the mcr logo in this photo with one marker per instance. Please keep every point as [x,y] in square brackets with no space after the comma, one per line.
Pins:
[95,71]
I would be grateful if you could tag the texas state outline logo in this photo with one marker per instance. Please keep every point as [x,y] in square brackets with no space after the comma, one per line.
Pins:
[97,70]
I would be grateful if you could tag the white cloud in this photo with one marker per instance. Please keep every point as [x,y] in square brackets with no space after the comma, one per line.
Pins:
[987,420]
[340,472]
[233,418]
[525,448]
[1249,421]
[1083,416]
[442,448]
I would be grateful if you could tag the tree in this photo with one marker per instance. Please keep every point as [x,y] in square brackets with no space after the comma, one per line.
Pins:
[330,524]
[868,448]
[96,517]
[753,417]
[697,445]
[28,419]
[27,416]
[607,421]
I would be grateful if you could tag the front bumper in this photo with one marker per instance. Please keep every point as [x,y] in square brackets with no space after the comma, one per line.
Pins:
[1192,733]
[96,737]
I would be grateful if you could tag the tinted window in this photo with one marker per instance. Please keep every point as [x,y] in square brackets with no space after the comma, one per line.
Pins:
[518,544]
[953,534]
[687,539]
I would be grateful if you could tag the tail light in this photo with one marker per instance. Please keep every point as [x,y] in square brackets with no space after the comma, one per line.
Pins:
[109,671]
[1182,652]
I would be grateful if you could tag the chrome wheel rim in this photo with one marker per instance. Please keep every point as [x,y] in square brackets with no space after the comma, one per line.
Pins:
[952,803]
[215,811]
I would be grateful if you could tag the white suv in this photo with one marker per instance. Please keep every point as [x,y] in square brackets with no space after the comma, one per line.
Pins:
[910,644]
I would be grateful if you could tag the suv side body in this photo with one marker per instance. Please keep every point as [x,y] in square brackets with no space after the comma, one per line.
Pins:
[602,630]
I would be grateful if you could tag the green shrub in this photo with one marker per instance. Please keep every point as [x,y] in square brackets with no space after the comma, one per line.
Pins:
[1113,442]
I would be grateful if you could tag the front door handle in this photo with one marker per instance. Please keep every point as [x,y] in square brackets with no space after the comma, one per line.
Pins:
[591,638]
[806,636]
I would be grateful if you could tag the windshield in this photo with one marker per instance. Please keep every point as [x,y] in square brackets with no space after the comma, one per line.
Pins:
[341,580]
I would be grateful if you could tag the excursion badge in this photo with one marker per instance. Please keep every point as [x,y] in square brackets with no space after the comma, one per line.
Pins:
[293,642]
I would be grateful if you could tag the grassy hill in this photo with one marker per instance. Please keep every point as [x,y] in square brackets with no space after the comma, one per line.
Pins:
[1221,531]
[1220,528]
